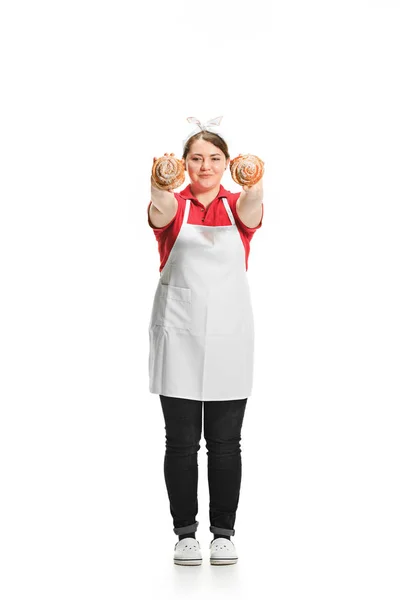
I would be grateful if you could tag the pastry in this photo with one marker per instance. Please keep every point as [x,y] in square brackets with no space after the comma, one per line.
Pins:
[168,172]
[246,169]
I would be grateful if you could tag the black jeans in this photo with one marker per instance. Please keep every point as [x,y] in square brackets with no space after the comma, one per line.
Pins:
[222,431]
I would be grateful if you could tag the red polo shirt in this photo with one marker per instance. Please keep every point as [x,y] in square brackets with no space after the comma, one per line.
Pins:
[213,215]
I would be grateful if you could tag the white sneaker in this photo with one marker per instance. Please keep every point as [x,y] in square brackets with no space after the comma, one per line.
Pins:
[187,552]
[223,552]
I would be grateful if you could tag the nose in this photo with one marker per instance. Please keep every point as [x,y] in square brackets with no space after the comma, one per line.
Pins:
[206,165]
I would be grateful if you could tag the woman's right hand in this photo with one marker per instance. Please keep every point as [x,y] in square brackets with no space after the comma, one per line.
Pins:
[152,179]
[164,205]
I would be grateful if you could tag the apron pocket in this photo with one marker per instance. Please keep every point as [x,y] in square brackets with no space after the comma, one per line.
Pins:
[178,306]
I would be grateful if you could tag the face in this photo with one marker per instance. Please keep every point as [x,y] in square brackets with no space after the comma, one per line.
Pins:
[205,164]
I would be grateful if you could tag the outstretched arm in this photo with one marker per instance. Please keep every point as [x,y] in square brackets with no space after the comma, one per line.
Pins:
[163,206]
[249,204]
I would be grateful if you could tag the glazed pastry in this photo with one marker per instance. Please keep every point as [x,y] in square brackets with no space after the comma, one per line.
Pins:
[168,172]
[246,169]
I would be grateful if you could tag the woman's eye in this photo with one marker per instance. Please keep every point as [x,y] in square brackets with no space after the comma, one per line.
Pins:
[196,158]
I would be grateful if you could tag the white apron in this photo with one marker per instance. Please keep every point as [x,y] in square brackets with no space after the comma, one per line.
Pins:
[201,329]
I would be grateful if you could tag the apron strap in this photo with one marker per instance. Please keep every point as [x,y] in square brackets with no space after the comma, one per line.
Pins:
[187,209]
[228,210]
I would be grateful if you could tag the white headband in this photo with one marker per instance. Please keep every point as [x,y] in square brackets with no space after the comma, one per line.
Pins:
[212,125]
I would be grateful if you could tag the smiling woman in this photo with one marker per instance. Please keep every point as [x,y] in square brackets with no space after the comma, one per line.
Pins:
[201,336]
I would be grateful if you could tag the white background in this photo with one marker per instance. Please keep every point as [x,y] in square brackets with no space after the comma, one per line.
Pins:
[91,91]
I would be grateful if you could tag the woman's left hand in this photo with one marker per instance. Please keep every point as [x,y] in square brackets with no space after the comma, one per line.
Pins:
[256,187]
[247,170]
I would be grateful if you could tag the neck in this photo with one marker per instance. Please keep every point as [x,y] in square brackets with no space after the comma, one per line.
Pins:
[205,196]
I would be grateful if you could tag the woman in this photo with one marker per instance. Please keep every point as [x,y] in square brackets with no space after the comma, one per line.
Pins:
[202,337]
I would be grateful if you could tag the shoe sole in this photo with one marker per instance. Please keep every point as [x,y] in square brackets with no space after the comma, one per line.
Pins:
[223,561]
[188,562]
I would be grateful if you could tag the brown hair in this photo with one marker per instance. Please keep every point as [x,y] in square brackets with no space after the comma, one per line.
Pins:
[208,136]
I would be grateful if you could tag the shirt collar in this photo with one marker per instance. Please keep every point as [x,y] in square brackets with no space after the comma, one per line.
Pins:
[187,194]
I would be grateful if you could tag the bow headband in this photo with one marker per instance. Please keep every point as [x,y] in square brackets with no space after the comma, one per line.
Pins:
[212,125]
